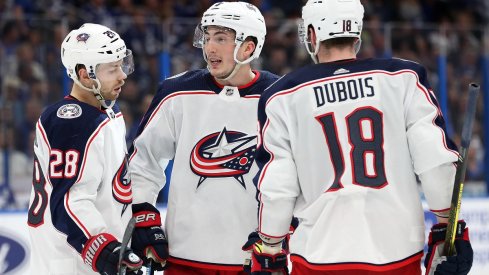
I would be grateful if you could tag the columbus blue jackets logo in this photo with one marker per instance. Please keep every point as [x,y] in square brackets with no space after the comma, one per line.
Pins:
[13,254]
[223,154]
[82,37]
[69,111]
[121,185]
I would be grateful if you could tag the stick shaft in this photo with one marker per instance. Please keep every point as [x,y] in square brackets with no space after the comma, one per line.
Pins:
[461,169]
[125,241]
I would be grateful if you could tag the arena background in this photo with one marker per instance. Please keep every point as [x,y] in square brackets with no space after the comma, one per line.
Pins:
[450,38]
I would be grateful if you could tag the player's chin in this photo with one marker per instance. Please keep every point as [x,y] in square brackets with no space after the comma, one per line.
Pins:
[112,96]
[221,74]
[116,92]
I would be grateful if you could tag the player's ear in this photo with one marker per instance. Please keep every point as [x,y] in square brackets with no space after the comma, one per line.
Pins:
[249,47]
[312,35]
[82,73]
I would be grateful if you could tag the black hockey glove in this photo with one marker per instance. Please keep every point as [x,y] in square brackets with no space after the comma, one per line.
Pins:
[101,252]
[253,237]
[458,264]
[262,263]
[148,240]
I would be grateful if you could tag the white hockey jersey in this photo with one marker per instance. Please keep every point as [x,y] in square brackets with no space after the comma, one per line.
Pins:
[342,145]
[80,184]
[211,133]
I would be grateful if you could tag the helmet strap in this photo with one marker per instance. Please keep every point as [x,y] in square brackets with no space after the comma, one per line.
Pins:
[313,52]
[357,45]
[237,64]
[236,68]
[96,92]
[236,49]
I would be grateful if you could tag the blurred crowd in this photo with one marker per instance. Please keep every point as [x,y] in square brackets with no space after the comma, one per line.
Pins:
[160,34]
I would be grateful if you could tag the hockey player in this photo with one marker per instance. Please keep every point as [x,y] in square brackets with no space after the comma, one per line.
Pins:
[81,195]
[206,121]
[343,142]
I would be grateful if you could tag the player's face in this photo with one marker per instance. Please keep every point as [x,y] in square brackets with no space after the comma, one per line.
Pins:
[219,48]
[111,78]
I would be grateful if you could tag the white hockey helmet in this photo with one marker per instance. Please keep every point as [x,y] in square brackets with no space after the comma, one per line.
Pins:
[331,19]
[94,44]
[244,18]
[91,45]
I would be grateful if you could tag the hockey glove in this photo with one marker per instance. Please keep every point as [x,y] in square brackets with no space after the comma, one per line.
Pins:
[148,240]
[460,263]
[293,226]
[253,237]
[101,252]
[262,263]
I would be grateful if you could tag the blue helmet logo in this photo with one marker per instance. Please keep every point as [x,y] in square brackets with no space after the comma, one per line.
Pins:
[12,254]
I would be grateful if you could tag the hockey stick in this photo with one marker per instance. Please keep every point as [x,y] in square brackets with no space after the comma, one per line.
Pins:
[125,241]
[149,267]
[461,168]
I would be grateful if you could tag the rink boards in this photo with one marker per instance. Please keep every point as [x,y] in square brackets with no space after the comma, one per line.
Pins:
[14,238]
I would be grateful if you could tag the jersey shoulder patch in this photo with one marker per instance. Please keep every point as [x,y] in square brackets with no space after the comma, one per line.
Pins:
[69,111]
[70,118]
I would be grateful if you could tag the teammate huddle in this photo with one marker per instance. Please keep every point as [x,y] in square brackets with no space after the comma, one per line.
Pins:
[339,147]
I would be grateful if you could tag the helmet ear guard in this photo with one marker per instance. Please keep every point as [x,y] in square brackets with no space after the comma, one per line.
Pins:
[330,19]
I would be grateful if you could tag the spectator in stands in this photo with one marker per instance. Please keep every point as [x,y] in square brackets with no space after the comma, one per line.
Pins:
[20,168]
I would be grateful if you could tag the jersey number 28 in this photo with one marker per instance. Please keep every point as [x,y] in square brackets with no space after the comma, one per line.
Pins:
[58,159]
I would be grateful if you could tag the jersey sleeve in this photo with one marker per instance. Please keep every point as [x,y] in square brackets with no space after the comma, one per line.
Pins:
[152,149]
[432,151]
[73,162]
[79,201]
[277,181]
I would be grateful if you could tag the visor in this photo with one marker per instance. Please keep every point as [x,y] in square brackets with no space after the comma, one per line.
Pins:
[198,37]
[303,37]
[128,63]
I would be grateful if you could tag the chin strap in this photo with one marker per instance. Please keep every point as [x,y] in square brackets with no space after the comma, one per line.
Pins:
[237,63]
[96,92]
[236,68]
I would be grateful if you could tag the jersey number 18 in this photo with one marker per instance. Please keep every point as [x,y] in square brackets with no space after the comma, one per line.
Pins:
[366,147]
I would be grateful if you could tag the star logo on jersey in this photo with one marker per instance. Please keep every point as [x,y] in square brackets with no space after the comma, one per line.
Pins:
[121,185]
[223,154]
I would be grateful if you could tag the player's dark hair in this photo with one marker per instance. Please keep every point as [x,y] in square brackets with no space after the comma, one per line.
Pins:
[340,42]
